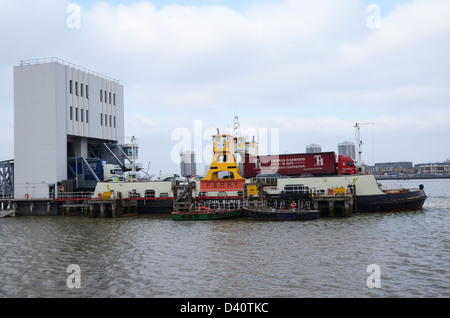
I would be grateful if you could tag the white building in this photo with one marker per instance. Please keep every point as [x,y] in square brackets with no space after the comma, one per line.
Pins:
[60,111]
[347,148]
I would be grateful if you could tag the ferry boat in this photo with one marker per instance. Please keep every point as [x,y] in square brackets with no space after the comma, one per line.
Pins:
[220,189]
[370,197]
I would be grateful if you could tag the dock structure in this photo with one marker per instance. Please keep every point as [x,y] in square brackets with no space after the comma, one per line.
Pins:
[336,202]
[71,205]
[183,198]
[334,206]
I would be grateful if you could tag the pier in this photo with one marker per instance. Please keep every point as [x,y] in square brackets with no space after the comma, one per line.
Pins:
[71,204]
[334,206]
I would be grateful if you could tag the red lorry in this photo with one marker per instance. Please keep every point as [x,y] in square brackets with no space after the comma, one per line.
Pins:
[304,164]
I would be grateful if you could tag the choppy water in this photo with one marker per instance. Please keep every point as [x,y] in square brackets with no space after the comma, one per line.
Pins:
[153,256]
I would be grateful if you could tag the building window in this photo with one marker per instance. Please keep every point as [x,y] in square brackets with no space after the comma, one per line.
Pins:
[114,121]
[101,119]
[110,121]
[114,96]
[76,114]
[70,113]
[81,115]
[76,88]
[81,89]
[70,87]
[106,97]
[87,91]
[87,116]
[109,97]
[101,95]
[106,120]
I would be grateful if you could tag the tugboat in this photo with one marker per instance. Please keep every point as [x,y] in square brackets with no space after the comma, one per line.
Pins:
[203,213]
[220,191]
[275,214]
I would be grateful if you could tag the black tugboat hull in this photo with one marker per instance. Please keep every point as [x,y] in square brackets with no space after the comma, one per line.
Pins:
[389,202]
[264,214]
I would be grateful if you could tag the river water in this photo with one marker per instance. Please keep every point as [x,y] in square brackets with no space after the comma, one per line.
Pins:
[152,256]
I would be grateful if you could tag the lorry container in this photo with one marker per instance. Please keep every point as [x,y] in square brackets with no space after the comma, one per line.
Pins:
[302,164]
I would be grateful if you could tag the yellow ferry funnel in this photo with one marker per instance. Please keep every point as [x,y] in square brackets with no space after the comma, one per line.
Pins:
[223,158]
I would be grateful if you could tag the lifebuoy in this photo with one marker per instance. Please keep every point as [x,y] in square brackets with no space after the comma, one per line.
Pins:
[27,196]
[293,205]
[330,192]
[99,196]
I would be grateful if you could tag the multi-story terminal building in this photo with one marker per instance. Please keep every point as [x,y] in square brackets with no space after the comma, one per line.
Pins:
[347,148]
[65,116]
[187,164]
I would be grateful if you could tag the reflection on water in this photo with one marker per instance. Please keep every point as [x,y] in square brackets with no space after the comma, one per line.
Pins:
[152,256]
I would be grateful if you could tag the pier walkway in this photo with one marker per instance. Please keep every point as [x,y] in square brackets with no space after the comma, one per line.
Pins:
[75,203]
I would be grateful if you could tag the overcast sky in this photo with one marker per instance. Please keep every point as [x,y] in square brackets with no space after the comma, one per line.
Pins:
[295,72]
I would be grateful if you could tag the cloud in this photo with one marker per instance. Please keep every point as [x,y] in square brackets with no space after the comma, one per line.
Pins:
[312,69]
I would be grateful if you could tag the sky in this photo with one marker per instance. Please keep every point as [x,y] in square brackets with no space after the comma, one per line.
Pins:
[294,72]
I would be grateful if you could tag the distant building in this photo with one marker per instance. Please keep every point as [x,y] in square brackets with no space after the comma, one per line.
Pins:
[434,168]
[347,148]
[187,164]
[405,167]
[313,148]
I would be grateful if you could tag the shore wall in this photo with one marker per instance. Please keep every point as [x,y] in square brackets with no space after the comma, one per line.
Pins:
[411,176]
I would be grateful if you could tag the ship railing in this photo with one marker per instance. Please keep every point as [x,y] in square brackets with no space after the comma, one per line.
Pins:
[222,206]
[6,196]
[75,195]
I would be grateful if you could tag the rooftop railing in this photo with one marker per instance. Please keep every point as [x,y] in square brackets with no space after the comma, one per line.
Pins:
[59,61]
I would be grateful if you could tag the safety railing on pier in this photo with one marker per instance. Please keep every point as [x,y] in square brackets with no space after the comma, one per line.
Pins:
[74,195]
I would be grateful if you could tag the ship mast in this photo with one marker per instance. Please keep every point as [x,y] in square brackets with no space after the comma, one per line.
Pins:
[359,142]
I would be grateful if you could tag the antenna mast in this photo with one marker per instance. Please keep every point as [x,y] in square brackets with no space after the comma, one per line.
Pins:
[359,143]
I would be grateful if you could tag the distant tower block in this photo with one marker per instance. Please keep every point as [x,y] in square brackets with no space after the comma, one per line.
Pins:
[313,148]
[187,164]
[347,148]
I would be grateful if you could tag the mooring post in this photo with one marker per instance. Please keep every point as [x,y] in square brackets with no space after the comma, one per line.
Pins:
[331,208]
[348,208]
[102,210]
[114,210]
